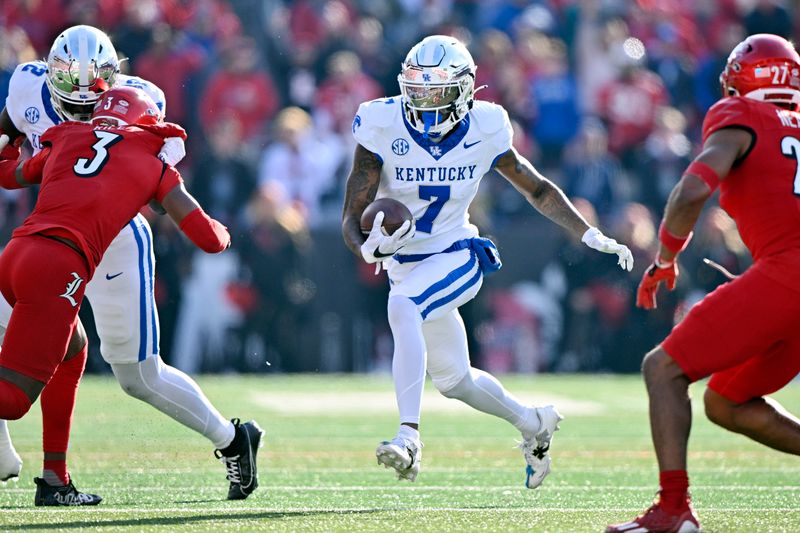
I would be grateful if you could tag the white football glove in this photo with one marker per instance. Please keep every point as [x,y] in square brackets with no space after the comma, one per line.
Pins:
[379,246]
[173,151]
[594,238]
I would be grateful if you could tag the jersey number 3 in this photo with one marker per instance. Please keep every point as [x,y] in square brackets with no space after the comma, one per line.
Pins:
[88,168]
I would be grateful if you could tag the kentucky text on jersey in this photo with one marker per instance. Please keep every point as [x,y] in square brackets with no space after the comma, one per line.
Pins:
[435,173]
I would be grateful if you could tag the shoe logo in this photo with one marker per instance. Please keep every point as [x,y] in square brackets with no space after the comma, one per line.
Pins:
[541,451]
[109,277]
[72,288]
[470,145]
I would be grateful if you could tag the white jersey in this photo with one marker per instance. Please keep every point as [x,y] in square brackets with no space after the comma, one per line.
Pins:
[29,106]
[436,181]
[122,290]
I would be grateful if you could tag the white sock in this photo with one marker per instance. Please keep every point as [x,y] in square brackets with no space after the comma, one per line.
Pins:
[5,437]
[482,391]
[177,395]
[408,364]
[408,433]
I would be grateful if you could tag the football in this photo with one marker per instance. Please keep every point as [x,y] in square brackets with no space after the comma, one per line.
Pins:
[395,214]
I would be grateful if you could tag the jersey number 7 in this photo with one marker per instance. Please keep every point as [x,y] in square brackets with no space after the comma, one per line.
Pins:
[88,168]
[439,194]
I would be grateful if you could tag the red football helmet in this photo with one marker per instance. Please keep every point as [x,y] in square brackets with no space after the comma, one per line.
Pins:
[121,106]
[763,67]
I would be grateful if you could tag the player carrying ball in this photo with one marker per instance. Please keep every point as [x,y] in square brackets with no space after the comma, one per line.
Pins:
[744,334]
[429,149]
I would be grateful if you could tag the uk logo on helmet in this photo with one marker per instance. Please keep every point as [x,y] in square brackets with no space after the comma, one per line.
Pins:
[400,146]
[32,115]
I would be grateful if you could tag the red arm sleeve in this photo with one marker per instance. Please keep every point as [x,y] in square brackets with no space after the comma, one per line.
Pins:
[727,113]
[208,234]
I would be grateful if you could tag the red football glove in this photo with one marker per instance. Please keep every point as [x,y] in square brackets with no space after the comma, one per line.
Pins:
[648,287]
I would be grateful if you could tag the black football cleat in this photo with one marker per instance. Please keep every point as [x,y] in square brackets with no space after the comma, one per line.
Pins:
[61,495]
[240,459]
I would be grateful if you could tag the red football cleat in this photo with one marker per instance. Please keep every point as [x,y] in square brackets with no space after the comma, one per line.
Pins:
[656,520]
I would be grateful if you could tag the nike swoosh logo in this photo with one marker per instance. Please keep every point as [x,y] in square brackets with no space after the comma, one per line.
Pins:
[470,145]
[109,277]
[378,255]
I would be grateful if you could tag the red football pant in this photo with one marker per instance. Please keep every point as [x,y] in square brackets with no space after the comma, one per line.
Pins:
[44,281]
[744,335]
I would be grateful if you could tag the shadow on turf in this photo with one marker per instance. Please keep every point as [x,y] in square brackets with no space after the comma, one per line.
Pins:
[180,520]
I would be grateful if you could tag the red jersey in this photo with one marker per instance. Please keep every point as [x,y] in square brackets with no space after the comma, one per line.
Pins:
[762,190]
[95,179]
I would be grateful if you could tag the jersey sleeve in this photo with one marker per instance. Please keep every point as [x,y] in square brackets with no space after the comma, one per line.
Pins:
[728,113]
[24,85]
[152,90]
[504,137]
[493,122]
[364,129]
[170,178]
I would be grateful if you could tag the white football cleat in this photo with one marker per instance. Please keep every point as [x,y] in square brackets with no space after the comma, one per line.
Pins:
[404,455]
[10,461]
[536,450]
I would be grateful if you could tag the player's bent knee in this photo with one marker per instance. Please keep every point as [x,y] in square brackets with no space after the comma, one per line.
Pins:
[454,388]
[14,403]
[719,409]
[658,365]
[132,378]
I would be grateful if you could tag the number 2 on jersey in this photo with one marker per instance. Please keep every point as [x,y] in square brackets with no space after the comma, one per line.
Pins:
[438,194]
[790,147]
[87,168]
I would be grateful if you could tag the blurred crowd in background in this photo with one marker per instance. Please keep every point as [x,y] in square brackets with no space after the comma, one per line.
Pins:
[606,97]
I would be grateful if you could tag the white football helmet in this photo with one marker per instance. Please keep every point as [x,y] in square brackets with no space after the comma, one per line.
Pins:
[82,64]
[437,82]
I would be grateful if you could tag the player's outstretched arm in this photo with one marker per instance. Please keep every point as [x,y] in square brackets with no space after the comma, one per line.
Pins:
[551,201]
[541,193]
[362,186]
[206,233]
[686,200]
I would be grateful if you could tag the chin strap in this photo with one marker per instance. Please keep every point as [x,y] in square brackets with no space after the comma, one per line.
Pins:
[428,119]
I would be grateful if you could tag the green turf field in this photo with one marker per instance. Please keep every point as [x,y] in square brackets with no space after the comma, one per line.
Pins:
[318,470]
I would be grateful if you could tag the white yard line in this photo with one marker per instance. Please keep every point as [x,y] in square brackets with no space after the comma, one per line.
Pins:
[303,403]
[423,488]
[279,510]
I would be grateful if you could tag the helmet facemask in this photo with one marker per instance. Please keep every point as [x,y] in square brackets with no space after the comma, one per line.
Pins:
[435,108]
